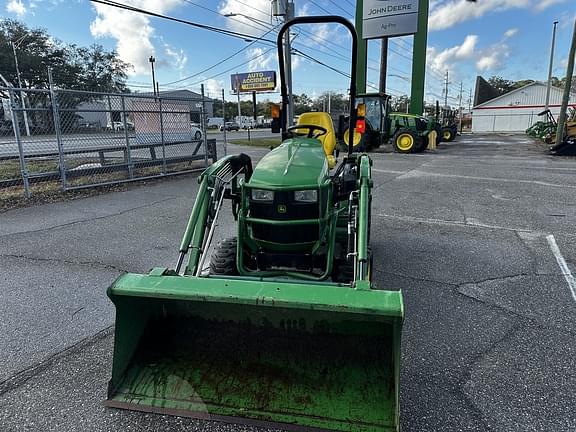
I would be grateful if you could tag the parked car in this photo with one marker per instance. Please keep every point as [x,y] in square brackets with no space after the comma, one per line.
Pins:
[196,132]
[230,126]
[119,126]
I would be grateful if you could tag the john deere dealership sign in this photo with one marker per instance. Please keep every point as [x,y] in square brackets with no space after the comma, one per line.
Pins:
[254,81]
[383,18]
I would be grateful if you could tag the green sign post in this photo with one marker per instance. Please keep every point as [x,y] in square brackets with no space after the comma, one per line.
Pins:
[362,50]
[389,25]
[419,60]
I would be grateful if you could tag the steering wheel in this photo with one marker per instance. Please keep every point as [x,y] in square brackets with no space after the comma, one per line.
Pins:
[320,131]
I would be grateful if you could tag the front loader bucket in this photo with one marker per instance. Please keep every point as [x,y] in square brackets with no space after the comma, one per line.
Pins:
[295,355]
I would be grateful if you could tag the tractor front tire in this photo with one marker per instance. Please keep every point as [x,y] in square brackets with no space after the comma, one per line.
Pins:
[223,260]
[406,141]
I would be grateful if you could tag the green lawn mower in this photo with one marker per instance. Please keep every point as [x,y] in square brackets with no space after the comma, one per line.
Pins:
[282,325]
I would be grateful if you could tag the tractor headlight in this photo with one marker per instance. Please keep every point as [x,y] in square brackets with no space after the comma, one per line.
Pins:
[307,196]
[262,195]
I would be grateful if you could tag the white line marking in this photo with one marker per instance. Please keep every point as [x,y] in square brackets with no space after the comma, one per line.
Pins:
[469,223]
[563,265]
[418,173]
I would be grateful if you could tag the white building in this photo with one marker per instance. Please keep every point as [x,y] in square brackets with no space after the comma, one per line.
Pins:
[517,110]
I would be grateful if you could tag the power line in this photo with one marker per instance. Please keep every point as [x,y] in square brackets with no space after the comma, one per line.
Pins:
[320,7]
[221,61]
[232,68]
[341,8]
[224,15]
[231,33]
[254,8]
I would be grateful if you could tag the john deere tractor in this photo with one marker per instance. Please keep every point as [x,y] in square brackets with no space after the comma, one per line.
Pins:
[281,325]
[408,133]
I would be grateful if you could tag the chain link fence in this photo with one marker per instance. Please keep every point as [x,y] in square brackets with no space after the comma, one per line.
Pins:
[78,139]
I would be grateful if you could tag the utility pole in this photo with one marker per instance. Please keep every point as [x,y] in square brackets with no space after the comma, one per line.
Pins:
[445,97]
[568,85]
[152,60]
[329,101]
[224,120]
[383,64]
[460,108]
[22,94]
[238,94]
[550,65]
[288,61]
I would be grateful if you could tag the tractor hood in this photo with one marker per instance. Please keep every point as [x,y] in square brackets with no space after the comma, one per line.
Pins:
[297,162]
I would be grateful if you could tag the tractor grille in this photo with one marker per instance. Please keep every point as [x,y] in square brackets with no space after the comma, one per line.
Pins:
[284,208]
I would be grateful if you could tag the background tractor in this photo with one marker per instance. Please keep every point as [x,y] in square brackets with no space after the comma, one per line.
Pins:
[408,133]
[283,326]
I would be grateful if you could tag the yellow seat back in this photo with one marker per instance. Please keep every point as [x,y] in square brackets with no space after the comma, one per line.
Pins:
[329,139]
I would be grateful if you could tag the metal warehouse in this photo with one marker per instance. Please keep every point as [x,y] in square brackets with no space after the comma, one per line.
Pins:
[517,110]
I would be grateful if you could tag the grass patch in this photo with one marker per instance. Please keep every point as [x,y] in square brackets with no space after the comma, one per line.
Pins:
[258,142]
[51,190]
[10,169]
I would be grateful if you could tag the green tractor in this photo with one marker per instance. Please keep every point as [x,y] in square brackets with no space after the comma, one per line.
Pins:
[408,133]
[282,324]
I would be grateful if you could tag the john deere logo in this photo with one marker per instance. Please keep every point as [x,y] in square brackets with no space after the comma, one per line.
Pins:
[281,208]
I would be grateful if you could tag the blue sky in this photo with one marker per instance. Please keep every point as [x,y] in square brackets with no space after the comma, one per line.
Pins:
[510,38]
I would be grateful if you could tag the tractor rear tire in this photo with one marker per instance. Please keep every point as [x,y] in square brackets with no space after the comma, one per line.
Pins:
[406,141]
[448,134]
[223,260]
[359,145]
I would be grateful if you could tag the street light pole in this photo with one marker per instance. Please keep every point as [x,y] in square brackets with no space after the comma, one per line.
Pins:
[22,94]
[238,94]
[550,66]
[152,60]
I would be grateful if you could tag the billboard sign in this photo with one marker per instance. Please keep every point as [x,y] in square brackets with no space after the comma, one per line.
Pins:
[385,18]
[253,81]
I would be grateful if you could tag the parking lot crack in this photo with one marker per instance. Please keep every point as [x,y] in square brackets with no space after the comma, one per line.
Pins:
[95,218]
[65,261]
[415,278]
[24,375]
[467,378]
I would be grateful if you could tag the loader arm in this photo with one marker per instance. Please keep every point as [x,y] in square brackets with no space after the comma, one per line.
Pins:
[219,177]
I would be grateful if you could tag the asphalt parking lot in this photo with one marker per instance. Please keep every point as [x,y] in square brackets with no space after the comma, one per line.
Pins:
[478,235]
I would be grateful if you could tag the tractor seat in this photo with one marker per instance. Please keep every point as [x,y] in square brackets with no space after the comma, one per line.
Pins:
[328,140]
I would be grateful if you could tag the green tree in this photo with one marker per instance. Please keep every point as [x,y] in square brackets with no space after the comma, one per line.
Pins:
[99,70]
[400,103]
[501,85]
[522,83]
[92,68]
[337,101]
[302,104]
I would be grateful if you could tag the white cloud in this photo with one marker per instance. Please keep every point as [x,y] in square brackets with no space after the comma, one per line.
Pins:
[16,7]
[544,4]
[446,14]
[493,57]
[488,62]
[260,61]
[510,32]
[248,20]
[132,30]
[214,88]
[442,61]
[178,57]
